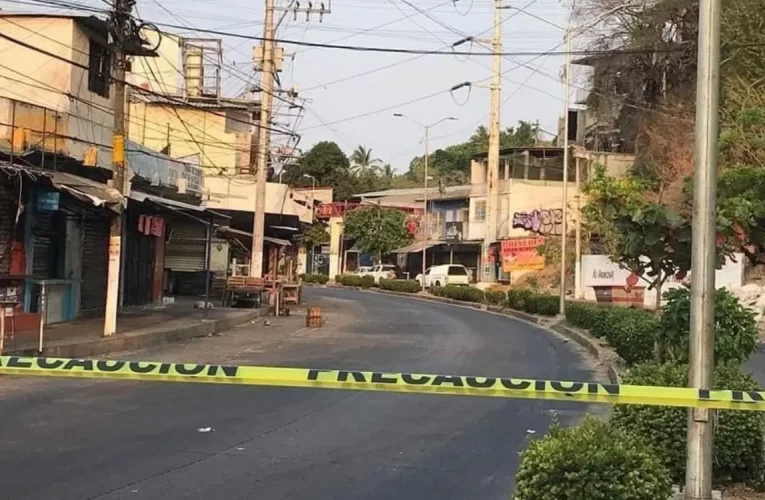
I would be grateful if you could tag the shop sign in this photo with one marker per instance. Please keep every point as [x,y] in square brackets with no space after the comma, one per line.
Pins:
[520,254]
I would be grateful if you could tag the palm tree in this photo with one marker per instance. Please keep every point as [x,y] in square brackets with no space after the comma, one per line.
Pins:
[387,171]
[362,161]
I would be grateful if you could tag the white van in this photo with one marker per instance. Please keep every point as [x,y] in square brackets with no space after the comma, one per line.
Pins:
[447,274]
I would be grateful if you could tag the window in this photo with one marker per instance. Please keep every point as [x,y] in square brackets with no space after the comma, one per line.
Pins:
[99,69]
[457,271]
[480,210]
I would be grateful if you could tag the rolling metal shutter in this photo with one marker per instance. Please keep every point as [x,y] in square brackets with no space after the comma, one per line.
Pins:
[44,237]
[185,250]
[7,217]
[95,263]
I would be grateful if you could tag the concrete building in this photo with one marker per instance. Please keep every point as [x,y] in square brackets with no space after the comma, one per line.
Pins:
[46,100]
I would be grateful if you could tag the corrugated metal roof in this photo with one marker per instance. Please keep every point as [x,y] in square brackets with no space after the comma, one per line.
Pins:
[220,103]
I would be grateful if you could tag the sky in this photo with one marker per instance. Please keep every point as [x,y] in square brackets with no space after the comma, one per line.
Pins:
[352,95]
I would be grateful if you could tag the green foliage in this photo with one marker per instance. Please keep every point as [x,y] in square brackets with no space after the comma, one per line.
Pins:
[451,165]
[314,278]
[642,236]
[315,234]
[582,314]
[461,293]
[631,332]
[377,230]
[329,165]
[735,327]
[496,298]
[593,461]
[738,444]
[363,161]
[543,304]
[367,281]
[348,280]
[407,286]
[741,200]
[518,297]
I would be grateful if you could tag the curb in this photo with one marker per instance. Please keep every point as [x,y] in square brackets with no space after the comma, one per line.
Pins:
[131,342]
[603,353]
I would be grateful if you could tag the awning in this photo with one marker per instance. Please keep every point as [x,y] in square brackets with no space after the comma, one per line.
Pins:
[86,190]
[225,230]
[418,246]
[176,206]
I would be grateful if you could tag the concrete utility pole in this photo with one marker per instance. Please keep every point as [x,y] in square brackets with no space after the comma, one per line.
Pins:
[564,222]
[120,18]
[262,156]
[698,472]
[492,175]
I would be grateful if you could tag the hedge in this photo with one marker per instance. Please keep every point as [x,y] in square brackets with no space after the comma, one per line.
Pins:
[631,332]
[522,299]
[738,443]
[408,286]
[592,461]
[367,281]
[496,298]
[314,278]
[348,280]
[461,293]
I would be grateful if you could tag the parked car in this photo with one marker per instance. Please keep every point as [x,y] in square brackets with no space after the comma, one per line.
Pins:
[385,271]
[447,274]
[363,271]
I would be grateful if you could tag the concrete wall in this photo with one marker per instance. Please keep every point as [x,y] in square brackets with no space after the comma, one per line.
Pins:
[162,74]
[42,81]
[238,193]
[191,132]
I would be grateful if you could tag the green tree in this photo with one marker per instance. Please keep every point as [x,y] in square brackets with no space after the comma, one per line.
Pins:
[377,230]
[641,235]
[315,234]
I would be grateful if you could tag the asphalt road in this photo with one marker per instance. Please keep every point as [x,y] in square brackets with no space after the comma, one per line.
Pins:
[76,440]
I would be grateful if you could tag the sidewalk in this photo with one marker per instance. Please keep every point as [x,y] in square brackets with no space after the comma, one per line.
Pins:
[136,329]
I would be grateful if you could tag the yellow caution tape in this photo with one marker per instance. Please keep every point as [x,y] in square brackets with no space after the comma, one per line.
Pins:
[457,385]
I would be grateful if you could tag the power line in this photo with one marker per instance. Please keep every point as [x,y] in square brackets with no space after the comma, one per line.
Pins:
[394,50]
[133,86]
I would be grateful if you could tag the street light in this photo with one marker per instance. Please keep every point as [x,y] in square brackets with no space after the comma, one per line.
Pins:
[425,202]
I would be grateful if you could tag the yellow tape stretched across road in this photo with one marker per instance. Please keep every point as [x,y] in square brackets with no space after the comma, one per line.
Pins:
[457,385]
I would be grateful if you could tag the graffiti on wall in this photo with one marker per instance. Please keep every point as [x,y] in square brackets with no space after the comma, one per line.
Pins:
[545,222]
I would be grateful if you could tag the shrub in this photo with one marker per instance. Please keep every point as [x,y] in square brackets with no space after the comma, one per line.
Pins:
[735,327]
[631,332]
[496,298]
[408,286]
[314,278]
[461,293]
[738,444]
[581,314]
[517,297]
[542,304]
[594,461]
[348,279]
[367,281]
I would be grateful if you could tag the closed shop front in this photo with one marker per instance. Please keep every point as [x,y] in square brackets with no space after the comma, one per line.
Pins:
[8,206]
[185,255]
[144,233]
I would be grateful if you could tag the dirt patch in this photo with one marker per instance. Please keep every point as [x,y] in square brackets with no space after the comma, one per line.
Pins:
[742,493]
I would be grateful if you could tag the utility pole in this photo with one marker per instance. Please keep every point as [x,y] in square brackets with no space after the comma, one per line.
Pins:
[698,471]
[492,177]
[578,289]
[564,222]
[262,155]
[120,18]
